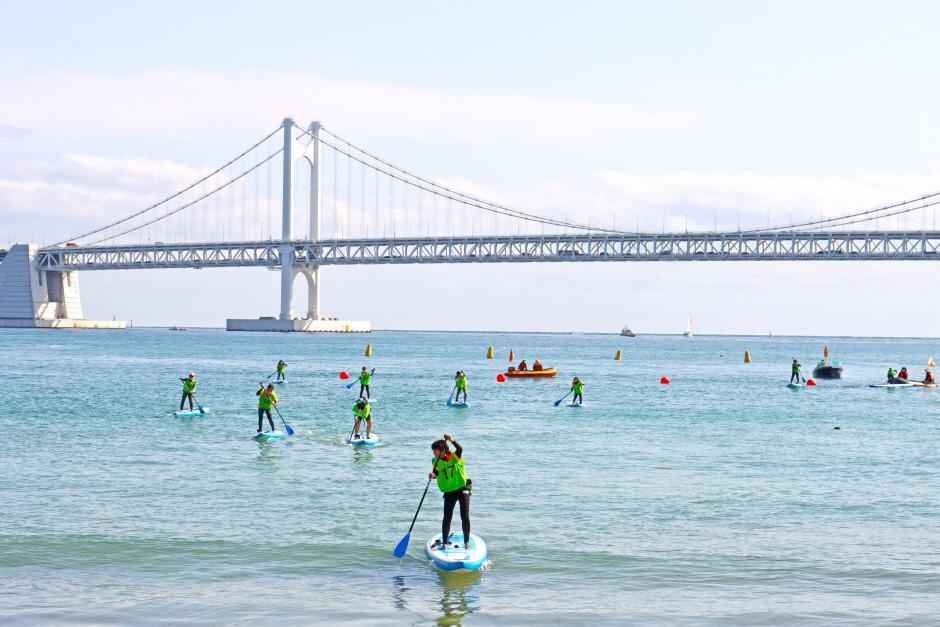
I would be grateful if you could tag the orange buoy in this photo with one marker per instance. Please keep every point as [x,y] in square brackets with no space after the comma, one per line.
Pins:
[501,378]
[810,383]
[665,380]
[344,375]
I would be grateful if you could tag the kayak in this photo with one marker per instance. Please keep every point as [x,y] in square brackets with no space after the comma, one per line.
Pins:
[456,557]
[191,413]
[361,440]
[270,436]
[531,374]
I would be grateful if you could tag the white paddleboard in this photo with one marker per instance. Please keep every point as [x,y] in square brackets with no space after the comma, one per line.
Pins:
[455,557]
[361,440]
[892,385]
[460,404]
[191,413]
[575,404]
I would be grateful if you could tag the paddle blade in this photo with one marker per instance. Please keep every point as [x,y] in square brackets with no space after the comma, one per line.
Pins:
[289,429]
[402,547]
[349,385]
[558,402]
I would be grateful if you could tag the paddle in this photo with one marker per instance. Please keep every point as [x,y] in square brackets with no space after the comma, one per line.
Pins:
[450,399]
[558,402]
[201,410]
[287,427]
[402,547]
[271,375]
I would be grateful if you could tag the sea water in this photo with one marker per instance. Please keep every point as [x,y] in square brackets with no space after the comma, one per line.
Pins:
[724,498]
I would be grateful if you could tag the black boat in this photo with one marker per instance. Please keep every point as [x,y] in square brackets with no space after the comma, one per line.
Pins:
[825,370]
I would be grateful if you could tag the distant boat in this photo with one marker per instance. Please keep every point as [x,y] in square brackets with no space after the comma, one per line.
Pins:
[688,329]
[178,329]
[826,369]
[626,332]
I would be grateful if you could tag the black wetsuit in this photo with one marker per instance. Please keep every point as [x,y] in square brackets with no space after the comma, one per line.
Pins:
[261,414]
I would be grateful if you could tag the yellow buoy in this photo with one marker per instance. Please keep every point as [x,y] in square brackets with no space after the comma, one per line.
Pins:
[618,355]
[368,352]
[512,356]
[747,357]
[489,352]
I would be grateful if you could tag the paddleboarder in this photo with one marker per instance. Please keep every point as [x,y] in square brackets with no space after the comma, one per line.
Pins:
[189,388]
[451,475]
[362,410]
[281,367]
[461,384]
[267,398]
[892,375]
[365,380]
[795,368]
[577,388]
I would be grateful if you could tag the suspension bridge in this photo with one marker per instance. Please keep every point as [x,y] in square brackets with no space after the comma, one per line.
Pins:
[362,209]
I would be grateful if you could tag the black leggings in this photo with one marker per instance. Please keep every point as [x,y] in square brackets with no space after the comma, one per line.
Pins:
[364,389]
[261,413]
[186,395]
[461,496]
[457,395]
[795,375]
[577,399]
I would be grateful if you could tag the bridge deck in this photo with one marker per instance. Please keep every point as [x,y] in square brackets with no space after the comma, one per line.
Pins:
[781,246]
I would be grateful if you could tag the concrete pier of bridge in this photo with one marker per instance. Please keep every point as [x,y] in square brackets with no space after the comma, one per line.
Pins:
[34,298]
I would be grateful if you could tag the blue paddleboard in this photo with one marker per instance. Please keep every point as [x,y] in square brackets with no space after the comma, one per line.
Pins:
[455,557]
[460,404]
[270,436]
[191,413]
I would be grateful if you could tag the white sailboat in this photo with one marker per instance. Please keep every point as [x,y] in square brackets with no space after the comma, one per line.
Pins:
[688,330]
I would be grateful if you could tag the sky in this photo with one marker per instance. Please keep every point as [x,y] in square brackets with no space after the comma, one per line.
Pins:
[678,114]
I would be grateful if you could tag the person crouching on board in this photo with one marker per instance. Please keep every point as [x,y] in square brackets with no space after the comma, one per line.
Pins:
[189,388]
[577,388]
[267,398]
[451,475]
[281,367]
[362,411]
[461,384]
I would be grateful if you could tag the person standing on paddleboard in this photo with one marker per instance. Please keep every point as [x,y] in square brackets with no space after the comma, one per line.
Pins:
[281,367]
[461,384]
[267,398]
[362,411]
[577,388]
[365,380]
[795,371]
[189,388]
[452,480]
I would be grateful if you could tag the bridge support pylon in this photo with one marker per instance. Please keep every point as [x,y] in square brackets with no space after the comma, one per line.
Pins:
[313,322]
[46,299]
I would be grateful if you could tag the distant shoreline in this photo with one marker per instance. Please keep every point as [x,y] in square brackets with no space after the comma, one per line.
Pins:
[598,333]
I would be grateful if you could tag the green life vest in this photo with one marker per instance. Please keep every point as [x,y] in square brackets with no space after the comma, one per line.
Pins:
[281,367]
[461,383]
[364,413]
[189,386]
[451,474]
[267,400]
[578,388]
[365,378]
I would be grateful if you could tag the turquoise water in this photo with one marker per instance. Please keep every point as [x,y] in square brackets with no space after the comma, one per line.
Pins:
[724,498]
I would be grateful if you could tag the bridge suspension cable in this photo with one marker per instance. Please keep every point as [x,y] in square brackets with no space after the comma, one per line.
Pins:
[171,197]
[424,184]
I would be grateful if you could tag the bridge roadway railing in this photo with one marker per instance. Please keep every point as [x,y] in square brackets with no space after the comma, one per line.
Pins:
[733,246]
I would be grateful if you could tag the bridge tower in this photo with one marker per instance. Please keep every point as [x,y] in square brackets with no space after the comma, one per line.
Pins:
[312,321]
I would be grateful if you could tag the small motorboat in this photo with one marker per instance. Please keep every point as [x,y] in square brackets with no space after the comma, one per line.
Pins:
[826,369]
[626,332]
[530,374]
